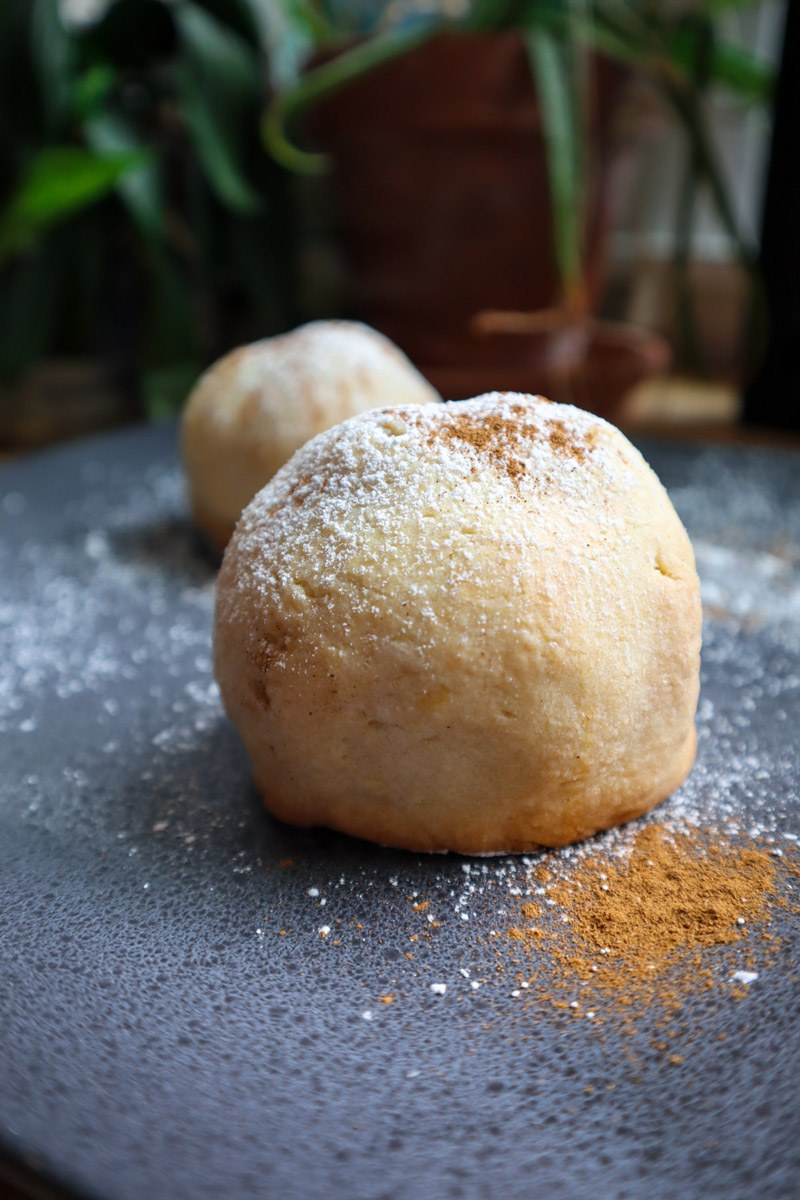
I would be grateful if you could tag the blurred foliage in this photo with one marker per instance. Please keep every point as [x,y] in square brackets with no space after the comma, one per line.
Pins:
[141,221]
[682,47]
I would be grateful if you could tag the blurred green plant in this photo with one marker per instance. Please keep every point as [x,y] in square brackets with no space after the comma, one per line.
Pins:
[682,47]
[142,221]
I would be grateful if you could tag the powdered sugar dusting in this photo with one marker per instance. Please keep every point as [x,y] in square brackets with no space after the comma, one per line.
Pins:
[501,436]
[325,367]
[376,483]
[109,627]
[411,571]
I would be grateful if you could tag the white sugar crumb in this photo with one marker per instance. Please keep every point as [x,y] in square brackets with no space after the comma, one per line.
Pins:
[438,989]
[745,977]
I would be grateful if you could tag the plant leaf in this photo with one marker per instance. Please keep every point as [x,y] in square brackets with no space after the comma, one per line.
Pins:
[60,181]
[687,107]
[219,55]
[172,355]
[92,88]
[325,79]
[562,129]
[752,79]
[141,190]
[51,49]
[727,64]
[164,388]
[595,32]
[288,34]
[684,227]
[255,255]
[217,80]
[715,7]
[209,133]
[663,47]
[496,14]
[175,325]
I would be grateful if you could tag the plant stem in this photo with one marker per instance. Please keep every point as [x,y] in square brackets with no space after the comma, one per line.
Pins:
[323,80]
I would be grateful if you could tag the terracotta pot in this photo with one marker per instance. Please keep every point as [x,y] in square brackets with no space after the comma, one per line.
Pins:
[442,187]
[593,366]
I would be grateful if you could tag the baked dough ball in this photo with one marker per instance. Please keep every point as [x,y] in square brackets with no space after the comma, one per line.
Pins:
[470,627]
[253,408]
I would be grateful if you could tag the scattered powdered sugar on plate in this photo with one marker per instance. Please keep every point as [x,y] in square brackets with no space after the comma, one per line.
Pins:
[757,586]
[105,630]
[164,938]
[70,627]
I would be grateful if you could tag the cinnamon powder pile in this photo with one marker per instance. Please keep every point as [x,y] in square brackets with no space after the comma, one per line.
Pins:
[610,939]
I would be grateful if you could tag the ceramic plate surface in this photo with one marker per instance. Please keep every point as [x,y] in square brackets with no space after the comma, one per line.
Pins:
[161,1035]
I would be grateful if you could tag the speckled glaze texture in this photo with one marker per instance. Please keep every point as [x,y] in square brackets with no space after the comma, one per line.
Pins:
[160,1036]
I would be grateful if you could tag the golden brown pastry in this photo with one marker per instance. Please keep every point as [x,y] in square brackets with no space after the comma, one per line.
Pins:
[253,408]
[470,627]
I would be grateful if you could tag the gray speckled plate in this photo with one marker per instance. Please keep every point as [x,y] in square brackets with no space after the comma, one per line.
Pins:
[161,1037]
